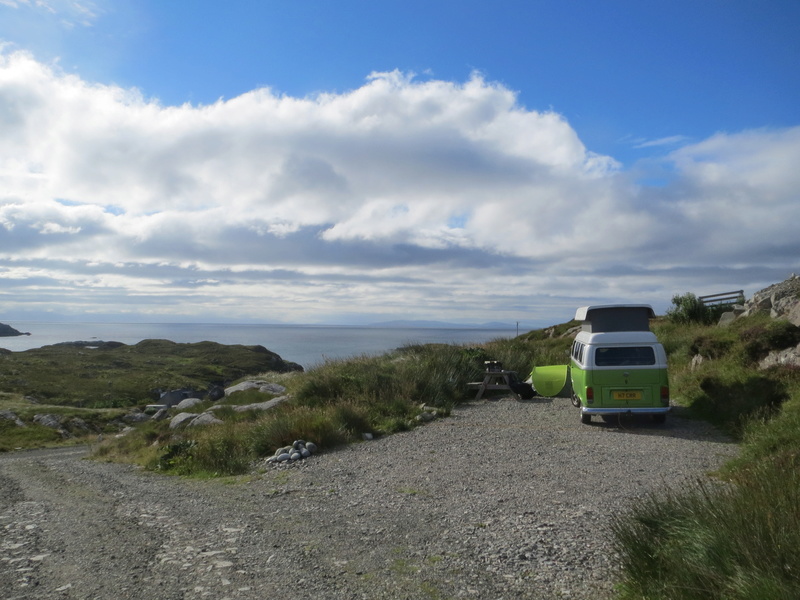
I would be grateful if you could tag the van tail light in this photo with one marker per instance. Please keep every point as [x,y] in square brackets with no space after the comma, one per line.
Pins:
[664,395]
[589,395]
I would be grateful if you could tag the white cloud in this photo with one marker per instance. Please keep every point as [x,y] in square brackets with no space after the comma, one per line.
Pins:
[68,12]
[672,140]
[424,198]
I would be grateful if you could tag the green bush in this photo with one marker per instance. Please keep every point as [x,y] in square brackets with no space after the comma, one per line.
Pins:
[762,338]
[688,308]
[712,346]
[731,402]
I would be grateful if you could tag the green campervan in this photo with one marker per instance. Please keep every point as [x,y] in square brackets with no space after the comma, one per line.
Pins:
[617,365]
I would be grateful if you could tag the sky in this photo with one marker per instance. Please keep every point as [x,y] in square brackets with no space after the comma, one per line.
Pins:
[354,162]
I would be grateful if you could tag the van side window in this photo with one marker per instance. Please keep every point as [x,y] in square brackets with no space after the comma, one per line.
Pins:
[577,351]
[624,356]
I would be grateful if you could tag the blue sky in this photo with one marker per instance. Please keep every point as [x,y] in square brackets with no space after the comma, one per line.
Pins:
[353,161]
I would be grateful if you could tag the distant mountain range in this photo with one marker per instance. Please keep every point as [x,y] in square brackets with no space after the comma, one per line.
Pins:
[439,325]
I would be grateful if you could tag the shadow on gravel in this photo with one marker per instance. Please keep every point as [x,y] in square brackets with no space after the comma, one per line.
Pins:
[495,399]
[537,400]
[676,427]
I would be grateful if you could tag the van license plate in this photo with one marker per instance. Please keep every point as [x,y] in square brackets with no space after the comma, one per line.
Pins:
[637,395]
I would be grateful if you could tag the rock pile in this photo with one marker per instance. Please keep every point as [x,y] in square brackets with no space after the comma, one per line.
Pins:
[299,450]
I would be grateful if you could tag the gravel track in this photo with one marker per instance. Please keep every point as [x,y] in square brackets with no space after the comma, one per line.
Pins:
[502,499]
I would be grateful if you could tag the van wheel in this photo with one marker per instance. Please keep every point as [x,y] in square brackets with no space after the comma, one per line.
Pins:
[659,419]
[586,419]
[575,402]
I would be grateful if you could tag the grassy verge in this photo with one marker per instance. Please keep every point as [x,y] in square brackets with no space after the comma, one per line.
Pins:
[735,538]
[80,425]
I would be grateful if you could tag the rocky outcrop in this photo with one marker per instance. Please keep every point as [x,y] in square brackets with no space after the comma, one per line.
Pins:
[188,403]
[262,386]
[788,357]
[205,418]
[136,416]
[175,397]
[181,419]
[208,417]
[262,405]
[781,301]
[52,422]
[10,416]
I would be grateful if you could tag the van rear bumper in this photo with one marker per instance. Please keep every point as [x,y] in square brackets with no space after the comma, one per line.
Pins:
[658,410]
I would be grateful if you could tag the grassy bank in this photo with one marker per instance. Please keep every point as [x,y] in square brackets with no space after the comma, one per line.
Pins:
[735,537]
[332,404]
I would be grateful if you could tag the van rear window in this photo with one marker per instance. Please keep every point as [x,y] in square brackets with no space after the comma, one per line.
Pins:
[624,356]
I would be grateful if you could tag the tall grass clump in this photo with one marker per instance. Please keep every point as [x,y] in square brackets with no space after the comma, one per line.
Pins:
[522,353]
[731,542]
[392,386]
[219,450]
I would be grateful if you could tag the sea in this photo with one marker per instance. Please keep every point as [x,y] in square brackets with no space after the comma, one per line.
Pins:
[307,345]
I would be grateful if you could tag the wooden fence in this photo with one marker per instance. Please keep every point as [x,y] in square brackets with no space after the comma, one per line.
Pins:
[724,298]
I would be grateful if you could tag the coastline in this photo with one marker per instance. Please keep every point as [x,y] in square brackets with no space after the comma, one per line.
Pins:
[307,345]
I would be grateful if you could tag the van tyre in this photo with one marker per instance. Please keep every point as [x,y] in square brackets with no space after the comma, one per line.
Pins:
[586,419]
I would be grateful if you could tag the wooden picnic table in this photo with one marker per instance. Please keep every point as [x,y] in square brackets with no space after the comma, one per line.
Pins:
[495,379]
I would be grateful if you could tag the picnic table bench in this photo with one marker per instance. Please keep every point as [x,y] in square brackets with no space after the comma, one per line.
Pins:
[495,378]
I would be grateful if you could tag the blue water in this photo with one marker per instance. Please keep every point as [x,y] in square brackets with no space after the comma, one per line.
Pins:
[307,345]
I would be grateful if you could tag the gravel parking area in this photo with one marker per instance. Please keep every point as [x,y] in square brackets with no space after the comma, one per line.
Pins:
[503,499]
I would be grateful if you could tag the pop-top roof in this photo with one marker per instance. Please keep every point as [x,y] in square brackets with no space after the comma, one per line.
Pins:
[615,317]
